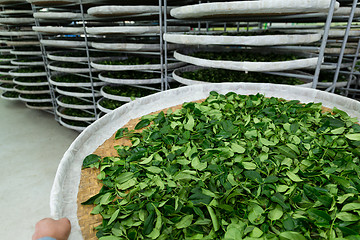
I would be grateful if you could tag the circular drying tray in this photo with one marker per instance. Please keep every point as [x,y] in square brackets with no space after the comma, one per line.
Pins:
[132,30]
[16,12]
[77,94]
[129,81]
[76,106]
[85,69]
[106,67]
[64,43]
[59,15]
[116,10]
[17,33]
[17,21]
[9,98]
[6,81]
[58,2]
[31,92]
[63,200]
[250,8]
[5,50]
[7,73]
[101,108]
[258,40]
[22,43]
[247,66]
[30,74]
[76,128]
[27,104]
[26,53]
[84,119]
[35,63]
[35,100]
[30,84]
[7,89]
[6,59]
[114,97]
[145,47]
[177,72]
[54,57]
[58,30]
[76,84]
[8,66]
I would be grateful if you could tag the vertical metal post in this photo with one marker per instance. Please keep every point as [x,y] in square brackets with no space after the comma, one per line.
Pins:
[45,60]
[199,23]
[161,46]
[323,43]
[165,46]
[343,46]
[352,69]
[88,59]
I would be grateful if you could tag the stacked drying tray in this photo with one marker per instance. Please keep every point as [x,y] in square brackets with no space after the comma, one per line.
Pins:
[26,68]
[242,51]
[135,72]
[69,69]
[332,50]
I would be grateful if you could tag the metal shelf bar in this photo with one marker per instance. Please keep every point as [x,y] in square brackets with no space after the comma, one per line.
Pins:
[343,46]
[323,43]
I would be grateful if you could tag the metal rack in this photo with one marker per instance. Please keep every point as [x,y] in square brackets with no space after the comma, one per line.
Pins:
[84,21]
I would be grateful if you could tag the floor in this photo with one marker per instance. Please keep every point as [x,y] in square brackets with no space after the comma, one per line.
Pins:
[32,144]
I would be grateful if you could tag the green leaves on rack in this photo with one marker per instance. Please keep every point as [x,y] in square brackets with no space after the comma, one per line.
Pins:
[233,167]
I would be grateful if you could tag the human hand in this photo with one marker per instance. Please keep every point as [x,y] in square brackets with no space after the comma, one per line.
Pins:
[47,227]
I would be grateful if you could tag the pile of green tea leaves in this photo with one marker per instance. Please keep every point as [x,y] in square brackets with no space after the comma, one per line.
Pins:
[69,78]
[36,96]
[31,79]
[245,56]
[75,100]
[32,88]
[76,112]
[128,91]
[110,104]
[233,167]
[132,61]
[30,70]
[222,75]
[78,89]
[11,94]
[131,75]
[75,123]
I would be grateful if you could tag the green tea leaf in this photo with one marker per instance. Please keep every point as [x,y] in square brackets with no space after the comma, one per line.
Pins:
[347,217]
[293,177]
[185,222]
[249,165]
[128,184]
[120,133]
[114,216]
[109,238]
[90,159]
[353,136]
[319,216]
[237,148]
[350,207]
[214,218]
[266,142]
[291,236]
[143,123]
[190,123]
[276,213]
[254,176]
